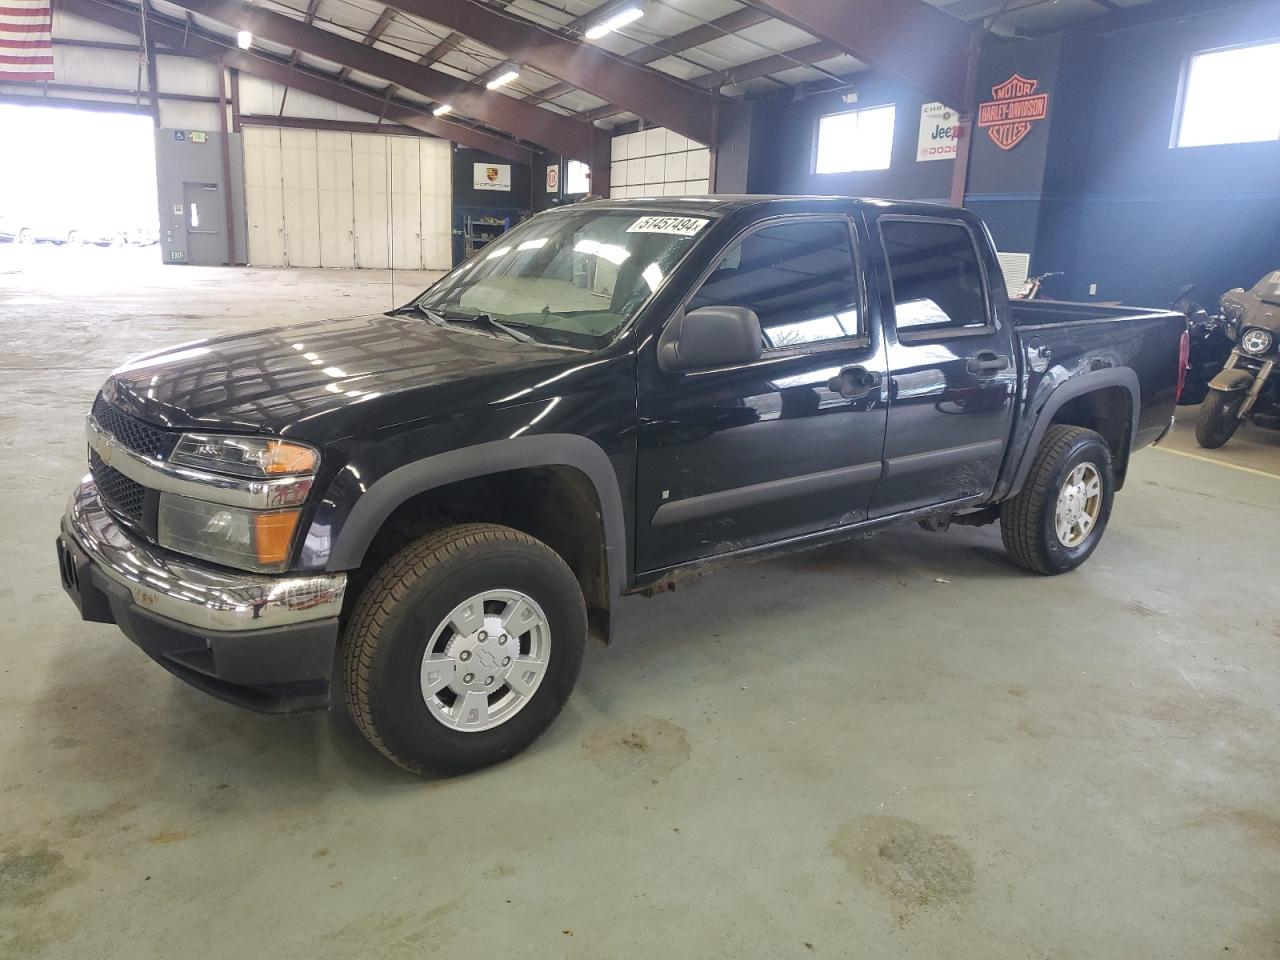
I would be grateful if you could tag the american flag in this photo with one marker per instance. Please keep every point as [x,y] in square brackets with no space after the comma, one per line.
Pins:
[26,40]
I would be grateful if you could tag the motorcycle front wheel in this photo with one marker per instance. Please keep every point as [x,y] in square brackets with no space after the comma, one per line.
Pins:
[1219,418]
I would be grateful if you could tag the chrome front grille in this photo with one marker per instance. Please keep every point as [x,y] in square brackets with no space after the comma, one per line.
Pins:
[126,498]
[137,435]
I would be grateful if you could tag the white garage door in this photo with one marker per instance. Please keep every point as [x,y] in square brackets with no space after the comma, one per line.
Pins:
[319,198]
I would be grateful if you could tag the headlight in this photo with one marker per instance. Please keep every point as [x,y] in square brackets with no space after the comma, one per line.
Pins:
[255,536]
[233,536]
[1256,341]
[245,456]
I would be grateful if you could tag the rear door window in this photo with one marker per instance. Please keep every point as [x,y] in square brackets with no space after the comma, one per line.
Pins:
[938,285]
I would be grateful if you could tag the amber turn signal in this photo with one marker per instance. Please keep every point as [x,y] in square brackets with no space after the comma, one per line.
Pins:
[284,457]
[273,534]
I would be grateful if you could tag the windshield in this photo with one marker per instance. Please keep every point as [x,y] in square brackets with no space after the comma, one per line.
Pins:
[572,277]
[1268,288]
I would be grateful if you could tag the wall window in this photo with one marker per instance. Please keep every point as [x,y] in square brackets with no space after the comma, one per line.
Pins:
[854,141]
[1230,96]
[937,281]
[577,177]
[798,277]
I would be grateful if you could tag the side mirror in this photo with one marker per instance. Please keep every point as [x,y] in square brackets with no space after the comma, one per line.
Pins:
[710,337]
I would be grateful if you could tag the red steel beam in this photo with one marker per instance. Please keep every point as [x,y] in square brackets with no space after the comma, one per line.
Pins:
[703,33]
[559,133]
[171,34]
[910,39]
[649,93]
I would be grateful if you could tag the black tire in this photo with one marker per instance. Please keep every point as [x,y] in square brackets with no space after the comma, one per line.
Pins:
[1218,420]
[1027,523]
[393,620]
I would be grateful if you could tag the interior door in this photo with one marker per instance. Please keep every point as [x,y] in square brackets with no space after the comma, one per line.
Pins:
[206,231]
[953,379]
[337,199]
[786,445]
[299,179]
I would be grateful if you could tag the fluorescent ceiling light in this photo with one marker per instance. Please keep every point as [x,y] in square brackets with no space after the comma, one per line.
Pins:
[618,20]
[441,110]
[501,81]
[244,39]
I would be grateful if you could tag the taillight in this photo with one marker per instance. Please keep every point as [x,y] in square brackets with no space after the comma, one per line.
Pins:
[1184,359]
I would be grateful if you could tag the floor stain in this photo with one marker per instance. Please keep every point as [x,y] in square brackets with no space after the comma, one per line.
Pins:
[412,934]
[651,745]
[915,868]
[1018,692]
[170,836]
[1261,827]
[27,878]
[1036,728]
[1140,608]
[498,871]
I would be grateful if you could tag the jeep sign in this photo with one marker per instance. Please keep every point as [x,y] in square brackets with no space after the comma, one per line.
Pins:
[940,132]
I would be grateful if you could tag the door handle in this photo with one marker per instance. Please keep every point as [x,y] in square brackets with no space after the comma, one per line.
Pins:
[854,383]
[987,363]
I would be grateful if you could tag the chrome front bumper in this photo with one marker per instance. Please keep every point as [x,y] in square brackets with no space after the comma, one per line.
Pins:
[191,593]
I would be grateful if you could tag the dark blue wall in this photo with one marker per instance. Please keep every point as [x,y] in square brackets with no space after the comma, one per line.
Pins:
[1095,191]
[1126,211]
[793,142]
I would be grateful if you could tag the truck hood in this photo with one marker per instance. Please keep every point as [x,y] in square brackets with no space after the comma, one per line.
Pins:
[270,380]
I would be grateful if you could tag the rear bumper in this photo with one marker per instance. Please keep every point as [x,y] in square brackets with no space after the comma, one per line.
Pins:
[264,642]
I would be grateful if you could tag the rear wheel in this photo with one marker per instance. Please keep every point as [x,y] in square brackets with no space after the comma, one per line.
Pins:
[1219,418]
[26,236]
[1056,522]
[463,648]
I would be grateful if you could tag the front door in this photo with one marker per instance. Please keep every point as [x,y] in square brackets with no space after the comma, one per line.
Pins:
[780,447]
[953,379]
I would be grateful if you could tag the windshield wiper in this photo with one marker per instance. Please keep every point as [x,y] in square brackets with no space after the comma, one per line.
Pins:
[427,312]
[488,320]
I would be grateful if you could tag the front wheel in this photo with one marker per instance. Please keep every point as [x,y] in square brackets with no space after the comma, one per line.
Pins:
[1056,521]
[463,648]
[1219,418]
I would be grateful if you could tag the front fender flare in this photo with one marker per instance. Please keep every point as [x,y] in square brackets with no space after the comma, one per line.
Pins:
[555,449]
[1077,386]
[1231,381]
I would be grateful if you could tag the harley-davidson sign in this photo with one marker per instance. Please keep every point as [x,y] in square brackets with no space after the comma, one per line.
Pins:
[1008,118]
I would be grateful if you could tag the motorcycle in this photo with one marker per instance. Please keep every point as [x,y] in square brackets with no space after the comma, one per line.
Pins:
[1210,339]
[1246,388]
[1031,289]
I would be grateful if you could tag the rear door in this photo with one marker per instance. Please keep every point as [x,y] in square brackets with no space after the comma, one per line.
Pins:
[952,375]
[783,446]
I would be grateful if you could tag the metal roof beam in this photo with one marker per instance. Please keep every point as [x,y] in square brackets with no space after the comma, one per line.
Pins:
[653,95]
[724,26]
[909,39]
[171,34]
[562,134]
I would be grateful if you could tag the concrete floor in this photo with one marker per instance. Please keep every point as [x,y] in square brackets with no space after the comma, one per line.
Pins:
[900,747]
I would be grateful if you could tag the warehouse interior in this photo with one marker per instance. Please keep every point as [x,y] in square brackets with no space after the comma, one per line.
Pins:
[897,744]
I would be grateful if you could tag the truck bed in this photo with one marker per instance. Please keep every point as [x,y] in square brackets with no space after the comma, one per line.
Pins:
[1036,313]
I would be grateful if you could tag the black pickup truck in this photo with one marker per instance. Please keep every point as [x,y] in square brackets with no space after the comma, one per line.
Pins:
[432,509]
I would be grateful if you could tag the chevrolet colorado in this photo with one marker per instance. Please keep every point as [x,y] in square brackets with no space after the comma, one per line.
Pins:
[430,510]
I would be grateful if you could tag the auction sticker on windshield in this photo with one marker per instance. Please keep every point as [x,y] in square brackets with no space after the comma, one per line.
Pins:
[677,226]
